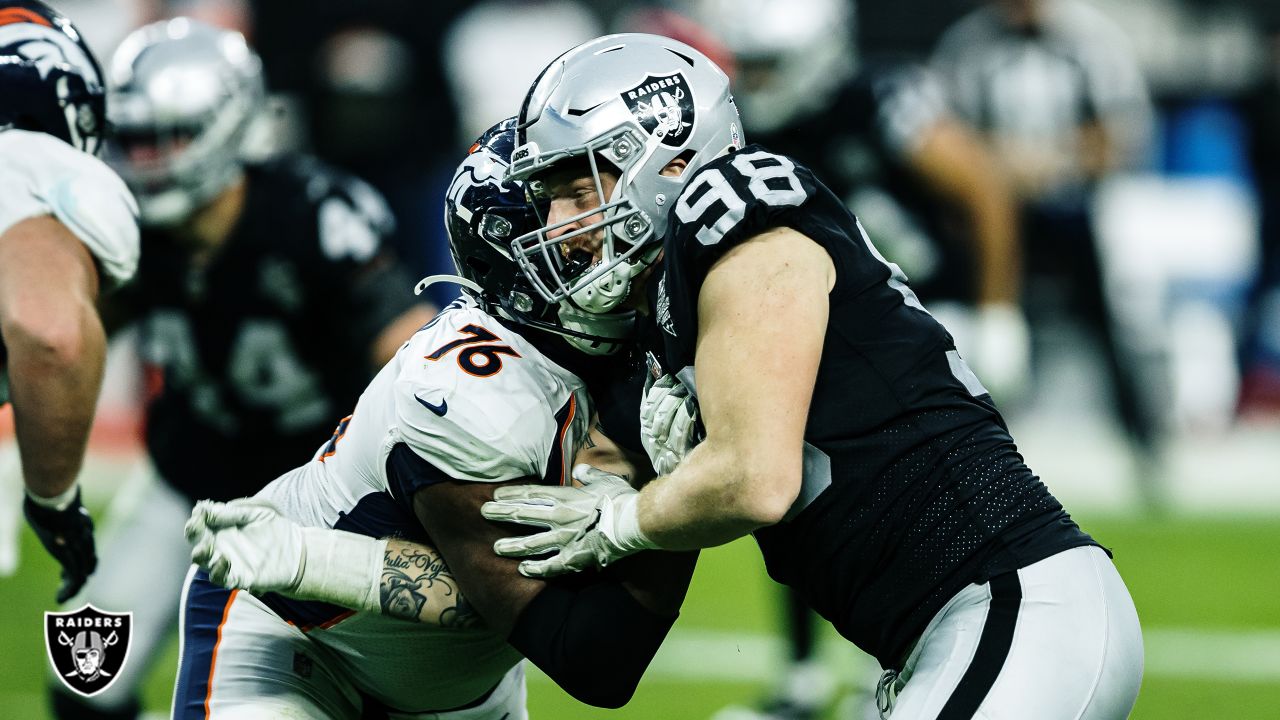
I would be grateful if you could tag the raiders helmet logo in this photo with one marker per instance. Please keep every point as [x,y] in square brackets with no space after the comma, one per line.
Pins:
[88,647]
[664,107]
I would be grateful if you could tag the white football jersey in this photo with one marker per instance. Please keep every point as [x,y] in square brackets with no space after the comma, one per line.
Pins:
[481,404]
[471,397]
[42,175]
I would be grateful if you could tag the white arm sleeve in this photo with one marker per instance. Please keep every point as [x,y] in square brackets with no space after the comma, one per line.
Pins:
[41,175]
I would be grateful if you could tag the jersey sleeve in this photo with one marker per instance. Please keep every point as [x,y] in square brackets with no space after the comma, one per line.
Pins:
[41,175]
[507,425]
[741,195]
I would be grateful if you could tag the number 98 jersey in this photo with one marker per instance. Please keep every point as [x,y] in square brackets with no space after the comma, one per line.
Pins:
[912,486]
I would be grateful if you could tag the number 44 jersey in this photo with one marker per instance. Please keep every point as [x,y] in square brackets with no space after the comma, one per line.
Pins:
[262,345]
[912,486]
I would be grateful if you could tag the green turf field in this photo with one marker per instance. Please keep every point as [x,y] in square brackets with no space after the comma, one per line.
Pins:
[1205,589]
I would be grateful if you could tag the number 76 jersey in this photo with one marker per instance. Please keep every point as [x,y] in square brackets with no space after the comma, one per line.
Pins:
[467,394]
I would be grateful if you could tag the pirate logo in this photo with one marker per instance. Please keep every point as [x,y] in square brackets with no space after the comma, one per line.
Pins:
[664,107]
[88,647]
[663,309]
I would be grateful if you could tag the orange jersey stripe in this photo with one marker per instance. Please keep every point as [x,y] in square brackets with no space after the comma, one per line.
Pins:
[213,661]
[564,429]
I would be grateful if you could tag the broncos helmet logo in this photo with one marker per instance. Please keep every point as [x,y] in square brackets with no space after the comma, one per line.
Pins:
[49,80]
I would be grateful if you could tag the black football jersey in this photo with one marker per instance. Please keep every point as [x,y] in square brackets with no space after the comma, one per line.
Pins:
[264,348]
[913,487]
[860,146]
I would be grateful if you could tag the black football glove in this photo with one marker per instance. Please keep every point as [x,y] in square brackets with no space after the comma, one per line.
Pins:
[68,536]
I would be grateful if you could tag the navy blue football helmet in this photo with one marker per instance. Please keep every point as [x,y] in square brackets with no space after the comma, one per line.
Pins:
[483,213]
[49,80]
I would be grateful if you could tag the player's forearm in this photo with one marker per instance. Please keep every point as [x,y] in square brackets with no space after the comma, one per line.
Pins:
[418,586]
[993,226]
[55,375]
[716,495]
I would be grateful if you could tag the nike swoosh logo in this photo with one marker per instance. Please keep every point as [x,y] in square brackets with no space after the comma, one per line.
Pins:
[579,113]
[440,409]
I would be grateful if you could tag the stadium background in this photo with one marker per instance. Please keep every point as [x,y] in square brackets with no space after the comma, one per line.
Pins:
[378,87]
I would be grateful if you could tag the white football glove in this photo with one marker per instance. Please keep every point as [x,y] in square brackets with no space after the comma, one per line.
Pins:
[668,422]
[247,544]
[590,526]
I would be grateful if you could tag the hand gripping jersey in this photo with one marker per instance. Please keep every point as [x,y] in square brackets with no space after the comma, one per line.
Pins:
[479,403]
[42,175]
[912,486]
[263,346]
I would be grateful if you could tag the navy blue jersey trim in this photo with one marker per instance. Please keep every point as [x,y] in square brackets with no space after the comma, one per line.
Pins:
[407,473]
[993,649]
[556,474]
[204,613]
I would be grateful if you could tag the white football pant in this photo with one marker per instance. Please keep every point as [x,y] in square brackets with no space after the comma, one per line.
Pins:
[240,661]
[1057,640]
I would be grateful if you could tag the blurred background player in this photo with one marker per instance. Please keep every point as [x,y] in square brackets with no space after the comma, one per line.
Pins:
[265,301]
[884,139]
[68,234]
[1059,98]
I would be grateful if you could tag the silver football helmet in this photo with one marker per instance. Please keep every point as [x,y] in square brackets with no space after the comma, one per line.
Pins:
[628,104]
[182,97]
[792,54]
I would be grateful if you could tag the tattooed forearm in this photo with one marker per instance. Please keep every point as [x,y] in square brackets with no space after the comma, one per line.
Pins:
[417,586]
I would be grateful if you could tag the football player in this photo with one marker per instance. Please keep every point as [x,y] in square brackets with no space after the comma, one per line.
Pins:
[68,233]
[842,428]
[498,388]
[265,300]
[882,139]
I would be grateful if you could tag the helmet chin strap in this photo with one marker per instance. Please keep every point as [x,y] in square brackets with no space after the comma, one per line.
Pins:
[430,280]
[601,326]
[166,209]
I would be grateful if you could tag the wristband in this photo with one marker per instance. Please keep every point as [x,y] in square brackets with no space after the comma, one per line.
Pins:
[623,527]
[58,502]
[342,568]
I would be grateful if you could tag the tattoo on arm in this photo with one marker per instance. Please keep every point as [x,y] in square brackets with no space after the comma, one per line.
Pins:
[417,586]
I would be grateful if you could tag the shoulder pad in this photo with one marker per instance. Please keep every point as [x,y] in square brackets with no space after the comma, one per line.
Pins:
[480,403]
[41,175]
